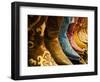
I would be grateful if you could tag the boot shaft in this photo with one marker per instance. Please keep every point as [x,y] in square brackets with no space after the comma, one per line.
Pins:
[36,28]
[52,26]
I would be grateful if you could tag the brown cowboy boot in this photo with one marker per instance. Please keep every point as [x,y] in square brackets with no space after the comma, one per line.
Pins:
[38,55]
[52,42]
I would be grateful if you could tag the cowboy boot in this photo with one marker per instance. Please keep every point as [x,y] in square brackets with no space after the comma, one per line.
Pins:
[79,50]
[38,55]
[83,30]
[71,29]
[52,42]
[64,41]
[76,36]
[83,35]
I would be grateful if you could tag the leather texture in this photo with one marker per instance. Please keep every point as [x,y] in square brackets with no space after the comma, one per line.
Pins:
[38,54]
[64,41]
[52,42]
[57,40]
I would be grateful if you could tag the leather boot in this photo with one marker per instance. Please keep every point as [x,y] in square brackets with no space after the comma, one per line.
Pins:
[52,42]
[64,41]
[38,55]
[73,27]
[83,35]
[70,32]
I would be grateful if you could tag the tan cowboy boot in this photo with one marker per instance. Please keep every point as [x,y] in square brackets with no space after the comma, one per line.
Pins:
[52,42]
[83,35]
[38,55]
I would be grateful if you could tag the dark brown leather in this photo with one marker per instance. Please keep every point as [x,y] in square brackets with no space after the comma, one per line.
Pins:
[53,26]
[37,52]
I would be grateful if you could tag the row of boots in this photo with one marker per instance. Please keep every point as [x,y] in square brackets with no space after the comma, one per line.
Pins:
[48,44]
